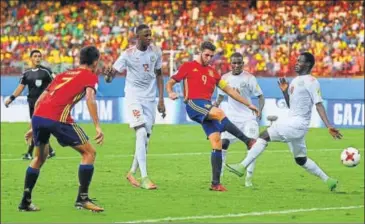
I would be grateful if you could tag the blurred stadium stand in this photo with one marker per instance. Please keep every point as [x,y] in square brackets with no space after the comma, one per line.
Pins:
[269,33]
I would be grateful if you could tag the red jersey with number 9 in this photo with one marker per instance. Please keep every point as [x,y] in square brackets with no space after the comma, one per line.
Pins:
[64,92]
[199,81]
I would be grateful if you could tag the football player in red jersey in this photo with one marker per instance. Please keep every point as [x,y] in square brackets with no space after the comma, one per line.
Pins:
[52,116]
[200,80]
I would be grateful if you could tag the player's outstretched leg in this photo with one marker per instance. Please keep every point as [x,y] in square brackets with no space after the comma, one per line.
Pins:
[31,177]
[253,153]
[86,171]
[314,169]
[218,114]
[232,129]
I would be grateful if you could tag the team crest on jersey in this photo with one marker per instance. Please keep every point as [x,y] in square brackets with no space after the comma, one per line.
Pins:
[153,58]
[211,74]
[208,106]
[195,70]
[38,82]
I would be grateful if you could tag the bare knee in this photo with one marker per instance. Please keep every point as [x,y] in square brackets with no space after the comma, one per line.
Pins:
[216,114]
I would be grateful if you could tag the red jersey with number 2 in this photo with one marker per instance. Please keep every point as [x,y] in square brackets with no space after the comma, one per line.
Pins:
[199,81]
[64,92]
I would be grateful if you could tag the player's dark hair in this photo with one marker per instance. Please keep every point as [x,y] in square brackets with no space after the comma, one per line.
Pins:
[88,55]
[207,45]
[141,27]
[309,58]
[236,55]
[35,51]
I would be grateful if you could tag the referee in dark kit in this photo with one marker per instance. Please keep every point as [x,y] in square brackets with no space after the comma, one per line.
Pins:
[37,78]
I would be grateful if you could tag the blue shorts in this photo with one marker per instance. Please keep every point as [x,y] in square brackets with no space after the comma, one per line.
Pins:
[66,134]
[198,111]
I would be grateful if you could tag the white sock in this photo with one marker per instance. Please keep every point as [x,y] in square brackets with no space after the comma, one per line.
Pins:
[141,142]
[254,152]
[135,161]
[224,157]
[251,168]
[314,169]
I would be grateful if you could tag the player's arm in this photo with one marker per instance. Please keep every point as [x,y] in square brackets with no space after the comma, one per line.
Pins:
[119,66]
[322,113]
[161,104]
[169,85]
[92,107]
[256,91]
[235,95]
[315,94]
[180,75]
[19,89]
[220,99]
[284,86]
[261,104]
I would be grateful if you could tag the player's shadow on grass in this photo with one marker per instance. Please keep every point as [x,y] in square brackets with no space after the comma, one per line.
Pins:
[335,192]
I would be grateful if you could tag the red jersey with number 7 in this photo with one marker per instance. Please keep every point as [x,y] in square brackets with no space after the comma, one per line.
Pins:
[199,81]
[64,92]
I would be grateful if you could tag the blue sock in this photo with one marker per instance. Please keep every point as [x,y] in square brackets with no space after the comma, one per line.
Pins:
[31,176]
[231,128]
[86,172]
[216,160]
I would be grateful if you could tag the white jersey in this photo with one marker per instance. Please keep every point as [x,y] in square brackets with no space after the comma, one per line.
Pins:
[140,66]
[304,91]
[248,87]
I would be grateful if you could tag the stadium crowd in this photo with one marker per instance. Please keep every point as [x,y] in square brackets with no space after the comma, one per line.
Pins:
[270,34]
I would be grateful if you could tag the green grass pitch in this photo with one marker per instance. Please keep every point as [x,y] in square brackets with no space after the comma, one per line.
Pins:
[179,163]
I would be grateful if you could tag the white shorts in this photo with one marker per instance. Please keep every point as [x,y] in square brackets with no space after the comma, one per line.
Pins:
[250,128]
[141,112]
[295,137]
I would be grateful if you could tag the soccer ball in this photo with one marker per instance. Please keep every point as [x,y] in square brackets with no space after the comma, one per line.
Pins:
[350,157]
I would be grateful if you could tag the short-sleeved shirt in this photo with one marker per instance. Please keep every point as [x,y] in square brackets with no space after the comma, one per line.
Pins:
[247,86]
[140,67]
[304,92]
[199,81]
[37,80]
[65,91]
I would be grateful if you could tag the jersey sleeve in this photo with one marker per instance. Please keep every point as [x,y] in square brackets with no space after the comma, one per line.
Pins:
[181,73]
[159,59]
[314,90]
[121,63]
[23,79]
[255,87]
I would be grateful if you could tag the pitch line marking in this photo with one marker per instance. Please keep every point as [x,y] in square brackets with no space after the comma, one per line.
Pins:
[169,154]
[263,213]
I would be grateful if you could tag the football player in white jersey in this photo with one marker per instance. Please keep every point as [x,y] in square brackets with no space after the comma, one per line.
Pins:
[300,96]
[142,64]
[246,85]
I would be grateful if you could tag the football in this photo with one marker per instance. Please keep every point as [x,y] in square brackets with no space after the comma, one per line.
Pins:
[350,157]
